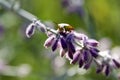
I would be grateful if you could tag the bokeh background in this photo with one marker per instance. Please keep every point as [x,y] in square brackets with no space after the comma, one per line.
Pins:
[23,58]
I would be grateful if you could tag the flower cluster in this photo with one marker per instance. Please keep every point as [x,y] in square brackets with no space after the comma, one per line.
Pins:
[76,47]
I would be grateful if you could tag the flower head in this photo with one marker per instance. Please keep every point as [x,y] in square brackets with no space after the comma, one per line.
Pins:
[77,47]
[107,64]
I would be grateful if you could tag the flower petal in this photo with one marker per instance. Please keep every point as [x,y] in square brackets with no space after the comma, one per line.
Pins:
[94,52]
[55,44]
[71,47]
[86,56]
[70,55]
[87,65]
[76,57]
[99,69]
[81,62]
[92,42]
[69,37]
[80,36]
[63,43]
[107,70]
[117,64]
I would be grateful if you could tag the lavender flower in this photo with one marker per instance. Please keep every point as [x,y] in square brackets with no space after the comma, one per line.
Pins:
[76,57]
[35,24]
[55,44]
[117,64]
[73,6]
[107,64]
[30,30]
[49,41]
[77,47]
[91,46]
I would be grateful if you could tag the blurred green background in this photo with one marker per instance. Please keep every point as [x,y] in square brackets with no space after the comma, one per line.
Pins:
[26,59]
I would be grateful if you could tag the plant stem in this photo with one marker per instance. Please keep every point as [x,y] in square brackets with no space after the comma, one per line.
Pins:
[21,12]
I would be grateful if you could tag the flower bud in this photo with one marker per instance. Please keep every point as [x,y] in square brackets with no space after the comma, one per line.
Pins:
[63,43]
[116,63]
[40,26]
[30,30]
[49,41]
[92,42]
[55,45]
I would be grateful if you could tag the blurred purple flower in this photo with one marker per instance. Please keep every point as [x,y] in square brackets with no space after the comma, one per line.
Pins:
[30,30]
[74,6]
[87,53]
[55,44]
[107,64]
[90,45]
[49,41]
[117,64]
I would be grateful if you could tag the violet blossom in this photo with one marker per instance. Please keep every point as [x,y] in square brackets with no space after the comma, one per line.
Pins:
[76,47]
[107,64]
[73,6]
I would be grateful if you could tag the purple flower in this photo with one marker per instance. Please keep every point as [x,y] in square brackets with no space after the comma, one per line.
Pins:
[91,46]
[63,43]
[76,57]
[83,57]
[117,64]
[65,3]
[73,6]
[55,44]
[88,64]
[70,41]
[92,42]
[30,30]
[100,68]
[87,52]
[49,41]
[86,55]
[77,47]
[107,70]
[94,52]
[107,64]
[64,36]
[81,62]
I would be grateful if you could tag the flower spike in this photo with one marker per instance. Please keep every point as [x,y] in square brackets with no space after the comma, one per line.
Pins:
[77,47]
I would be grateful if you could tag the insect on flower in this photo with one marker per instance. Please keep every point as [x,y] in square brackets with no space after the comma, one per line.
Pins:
[65,27]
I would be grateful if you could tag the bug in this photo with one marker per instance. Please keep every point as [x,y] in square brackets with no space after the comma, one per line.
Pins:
[65,27]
